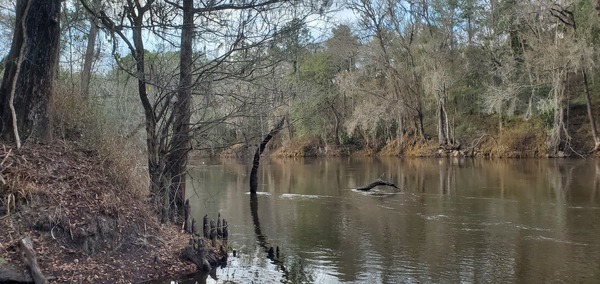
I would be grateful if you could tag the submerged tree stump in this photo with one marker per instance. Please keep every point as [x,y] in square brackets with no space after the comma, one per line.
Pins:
[375,183]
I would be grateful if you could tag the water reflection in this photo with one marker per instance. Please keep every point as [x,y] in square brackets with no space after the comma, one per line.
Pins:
[454,220]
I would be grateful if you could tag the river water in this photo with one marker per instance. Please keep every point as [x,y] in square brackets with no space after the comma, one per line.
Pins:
[452,220]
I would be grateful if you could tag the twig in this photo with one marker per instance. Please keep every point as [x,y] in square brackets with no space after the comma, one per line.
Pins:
[5,157]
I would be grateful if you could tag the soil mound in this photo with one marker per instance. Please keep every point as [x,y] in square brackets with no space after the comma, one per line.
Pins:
[86,226]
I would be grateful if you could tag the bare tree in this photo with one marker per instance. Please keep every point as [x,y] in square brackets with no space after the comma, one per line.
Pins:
[230,29]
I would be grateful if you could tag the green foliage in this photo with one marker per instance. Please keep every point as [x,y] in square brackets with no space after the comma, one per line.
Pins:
[292,41]
[319,70]
[308,117]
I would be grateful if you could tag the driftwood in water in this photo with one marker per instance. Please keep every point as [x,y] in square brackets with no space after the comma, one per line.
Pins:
[259,151]
[376,183]
[31,261]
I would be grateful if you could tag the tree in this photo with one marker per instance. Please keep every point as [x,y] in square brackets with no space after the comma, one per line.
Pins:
[394,26]
[86,72]
[239,31]
[31,68]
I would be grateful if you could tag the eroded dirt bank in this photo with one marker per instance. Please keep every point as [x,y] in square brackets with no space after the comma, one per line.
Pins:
[85,223]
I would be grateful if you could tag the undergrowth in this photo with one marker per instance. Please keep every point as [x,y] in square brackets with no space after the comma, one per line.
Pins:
[83,120]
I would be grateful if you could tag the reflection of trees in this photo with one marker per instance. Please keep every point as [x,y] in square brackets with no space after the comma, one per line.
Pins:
[446,176]
[596,180]
[560,177]
[297,272]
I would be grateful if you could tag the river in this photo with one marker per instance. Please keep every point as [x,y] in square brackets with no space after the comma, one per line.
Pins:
[452,220]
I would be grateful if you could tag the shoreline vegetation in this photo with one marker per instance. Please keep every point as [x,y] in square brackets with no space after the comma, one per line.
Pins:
[486,146]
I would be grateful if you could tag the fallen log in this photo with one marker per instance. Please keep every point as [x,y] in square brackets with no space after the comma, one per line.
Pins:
[377,182]
[31,261]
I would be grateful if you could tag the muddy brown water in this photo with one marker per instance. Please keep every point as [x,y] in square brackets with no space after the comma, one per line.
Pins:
[453,220]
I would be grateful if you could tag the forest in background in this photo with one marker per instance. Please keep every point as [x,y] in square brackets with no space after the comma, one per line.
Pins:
[507,77]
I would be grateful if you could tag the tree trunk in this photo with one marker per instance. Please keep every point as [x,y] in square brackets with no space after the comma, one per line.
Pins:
[30,82]
[559,134]
[590,112]
[180,144]
[259,151]
[86,72]
[155,163]
[336,127]
[442,122]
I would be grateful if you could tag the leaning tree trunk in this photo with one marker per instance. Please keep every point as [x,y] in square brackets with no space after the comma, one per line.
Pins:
[259,151]
[31,67]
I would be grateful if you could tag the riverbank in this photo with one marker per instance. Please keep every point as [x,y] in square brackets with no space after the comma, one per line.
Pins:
[86,222]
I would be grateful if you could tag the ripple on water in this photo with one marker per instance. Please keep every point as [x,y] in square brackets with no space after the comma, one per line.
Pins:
[434,217]
[299,196]
[524,227]
[260,193]
[549,239]
[373,192]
